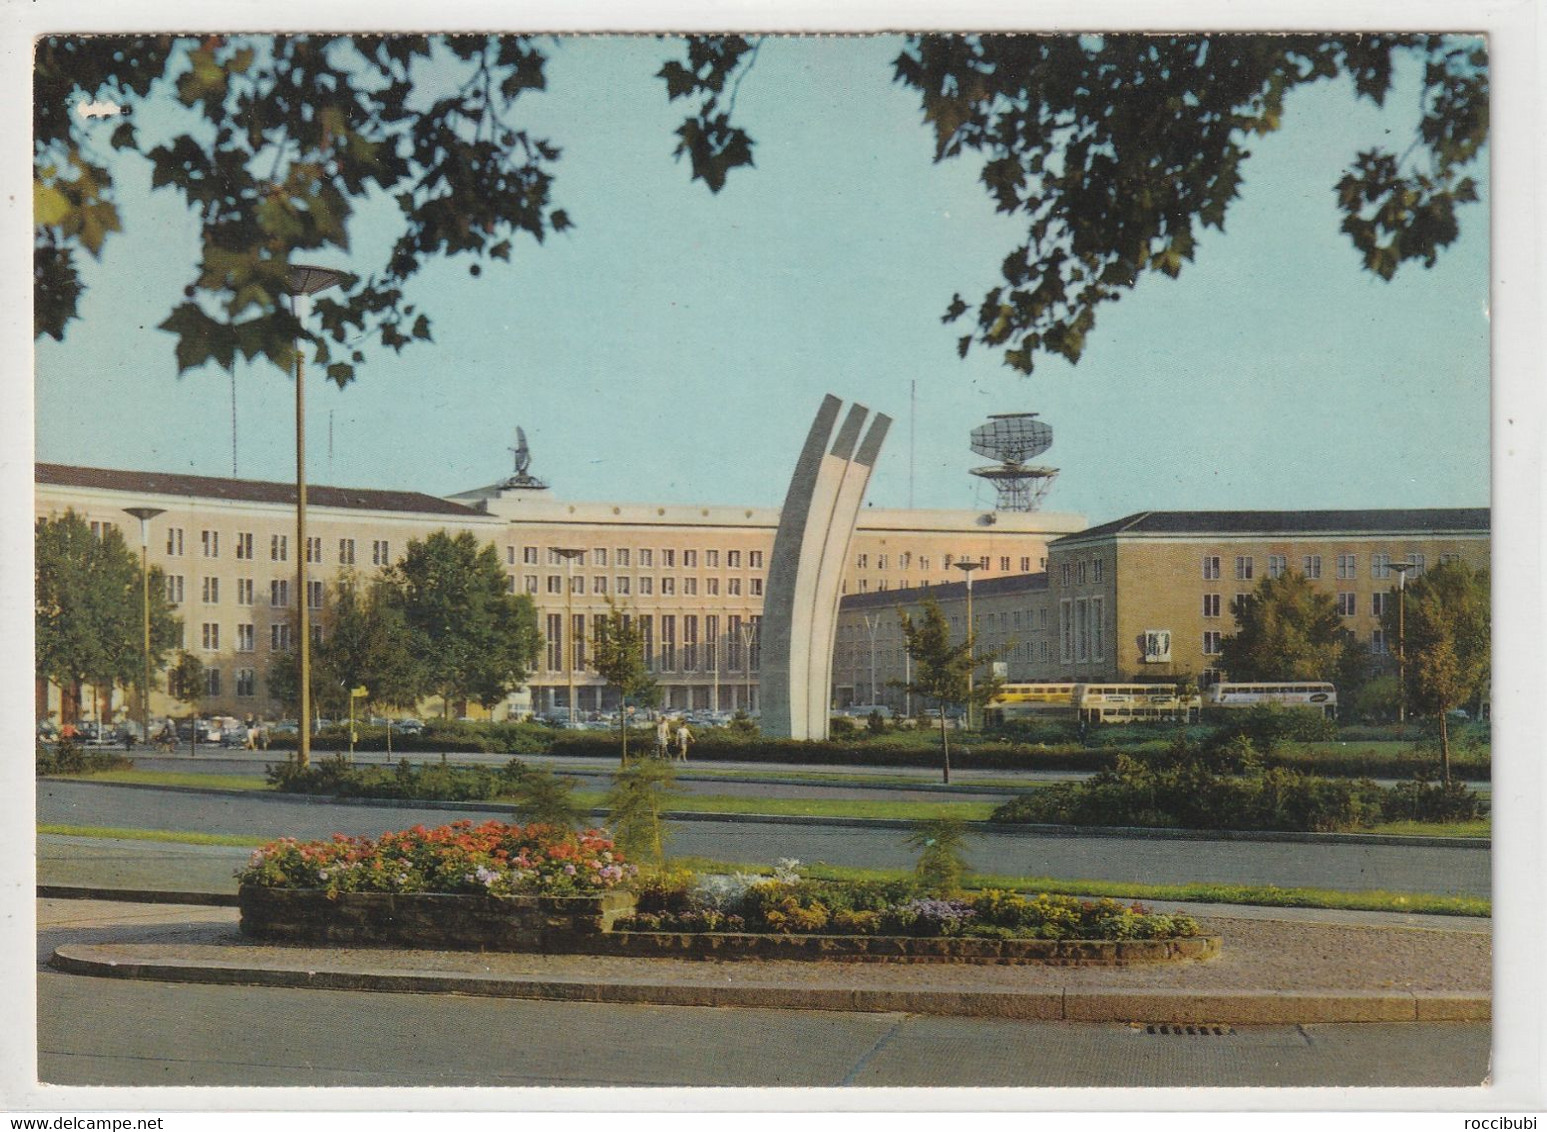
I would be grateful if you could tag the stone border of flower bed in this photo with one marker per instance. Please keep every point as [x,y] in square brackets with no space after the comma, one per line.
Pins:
[583,925]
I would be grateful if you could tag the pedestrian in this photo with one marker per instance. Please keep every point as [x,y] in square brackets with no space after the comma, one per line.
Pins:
[251,736]
[662,737]
[684,737]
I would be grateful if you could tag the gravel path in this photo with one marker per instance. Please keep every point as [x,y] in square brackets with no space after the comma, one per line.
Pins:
[1256,956]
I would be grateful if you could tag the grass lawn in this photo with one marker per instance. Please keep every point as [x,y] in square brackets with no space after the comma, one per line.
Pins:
[1482,828]
[176,778]
[179,837]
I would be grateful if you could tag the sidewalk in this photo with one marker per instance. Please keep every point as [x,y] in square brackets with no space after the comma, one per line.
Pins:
[1276,966]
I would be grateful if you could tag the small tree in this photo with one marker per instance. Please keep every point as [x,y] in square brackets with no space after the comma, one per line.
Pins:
[636,801]
[618,657]
[1447,640]
[542,797]
[941,846]
[942,671]
[1285,630]
[186,682]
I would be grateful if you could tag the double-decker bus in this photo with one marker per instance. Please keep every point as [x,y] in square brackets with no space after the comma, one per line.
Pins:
[1031,701]
[1125,703]
[1302,694]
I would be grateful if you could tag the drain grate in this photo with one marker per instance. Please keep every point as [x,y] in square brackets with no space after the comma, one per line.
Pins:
[1179,1030]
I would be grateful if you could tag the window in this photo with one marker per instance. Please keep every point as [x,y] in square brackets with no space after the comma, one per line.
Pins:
[646,558]
[346,552]
[99,530]
[313,595]
[175,589]
[757,587]
[1211,641]
[864,585]
[1211,605]
[279,638]
[599,556]
[621,556]
[246,683]
[210,541]
[1026,564]
[1348,567]
[668,559]
[212,681]
[733,587]
[862,562]
[1347,604]
[529,583]
[755,559]
[1063,574]
[622,585]
[1097,568]
[210,636]
[1449,559]
[554,557]
[529,555]
[175,542]
[733,558]
[577,584]
[510,584]
[244,591]
[1311,564]
[646,586]
[1416,562]
[554,638]
[244,545]
[314,550]
[279,548]
[245,638]
[712,587]
[1378,604]
[279,593]
[577,630]
[668,587]
[1079,573]
[510,554]
[1243,567]
[689,643]
[923,562]
[1378,642]
[1004,563]
[1098,627]
[647,639]
[689,587]
[1380,566]
[1066,632]
[209,590]
[1277,565]
[381,553]
[598,585]
[712,559]
[555,584]
[668,643]
[1211,568]
[690,559]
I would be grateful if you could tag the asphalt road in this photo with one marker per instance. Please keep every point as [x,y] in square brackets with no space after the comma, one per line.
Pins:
[1341,866]
[111,1032]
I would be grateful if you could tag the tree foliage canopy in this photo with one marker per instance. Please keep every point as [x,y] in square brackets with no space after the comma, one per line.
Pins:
[367,644]
[618,657]
[88,606]
[1446,635]
[1286,629]
[474,640]
[1115,151]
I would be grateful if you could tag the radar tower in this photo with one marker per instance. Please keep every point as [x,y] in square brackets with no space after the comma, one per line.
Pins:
[1012,439]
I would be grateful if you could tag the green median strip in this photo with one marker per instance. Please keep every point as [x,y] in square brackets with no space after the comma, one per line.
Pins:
[178,837]
[1261,895]
[178,778]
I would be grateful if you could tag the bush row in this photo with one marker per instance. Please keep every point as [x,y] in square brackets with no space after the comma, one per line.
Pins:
[66,757]
[1193,795]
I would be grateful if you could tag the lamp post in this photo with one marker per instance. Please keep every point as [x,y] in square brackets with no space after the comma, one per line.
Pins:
[872,623]
[967,566]
[145,515]
[567,637]
[748,631]
[1401,568]
[303,281]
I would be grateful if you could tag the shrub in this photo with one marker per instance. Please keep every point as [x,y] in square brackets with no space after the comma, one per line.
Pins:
[542,796]
[942,860]
[841,727]
[68,757]
[1422,799]
[637,798]
[492,859]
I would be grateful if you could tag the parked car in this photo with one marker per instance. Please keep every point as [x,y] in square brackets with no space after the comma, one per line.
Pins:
[408,727]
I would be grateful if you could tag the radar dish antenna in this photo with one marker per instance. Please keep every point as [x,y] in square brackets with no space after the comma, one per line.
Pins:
[522,479]
[1012,439]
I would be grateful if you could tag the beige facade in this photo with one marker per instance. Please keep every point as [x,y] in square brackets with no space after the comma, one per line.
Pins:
[1112,595]
[694,575]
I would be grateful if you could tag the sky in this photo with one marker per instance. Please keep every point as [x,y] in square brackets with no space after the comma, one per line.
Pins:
[674,346]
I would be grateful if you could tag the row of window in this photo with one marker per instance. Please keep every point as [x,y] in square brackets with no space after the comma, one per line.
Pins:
[1081,571]
[281,638]
[279,547]
[1382,566]
[246,591]
[625,586]
[733,648]
[907,561]
[1213,641]
[627,557]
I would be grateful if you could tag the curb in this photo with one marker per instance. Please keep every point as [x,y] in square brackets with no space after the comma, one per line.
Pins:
[1062,1004]
[135,895]
[1136,832]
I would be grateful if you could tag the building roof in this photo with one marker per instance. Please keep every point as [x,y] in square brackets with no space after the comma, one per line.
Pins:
[1420,520]
[951,591]
[245,491]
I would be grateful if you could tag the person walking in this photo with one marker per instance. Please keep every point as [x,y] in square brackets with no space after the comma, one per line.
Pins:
[662,737]
[684,737]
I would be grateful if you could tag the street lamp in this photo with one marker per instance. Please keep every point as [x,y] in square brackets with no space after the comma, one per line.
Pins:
[748,632]
[872,623]
[569,553]
[145,515]
[967,566]
[1401,568]
[303,281]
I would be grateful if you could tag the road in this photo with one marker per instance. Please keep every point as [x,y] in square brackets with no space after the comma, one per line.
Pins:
[1346,867]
